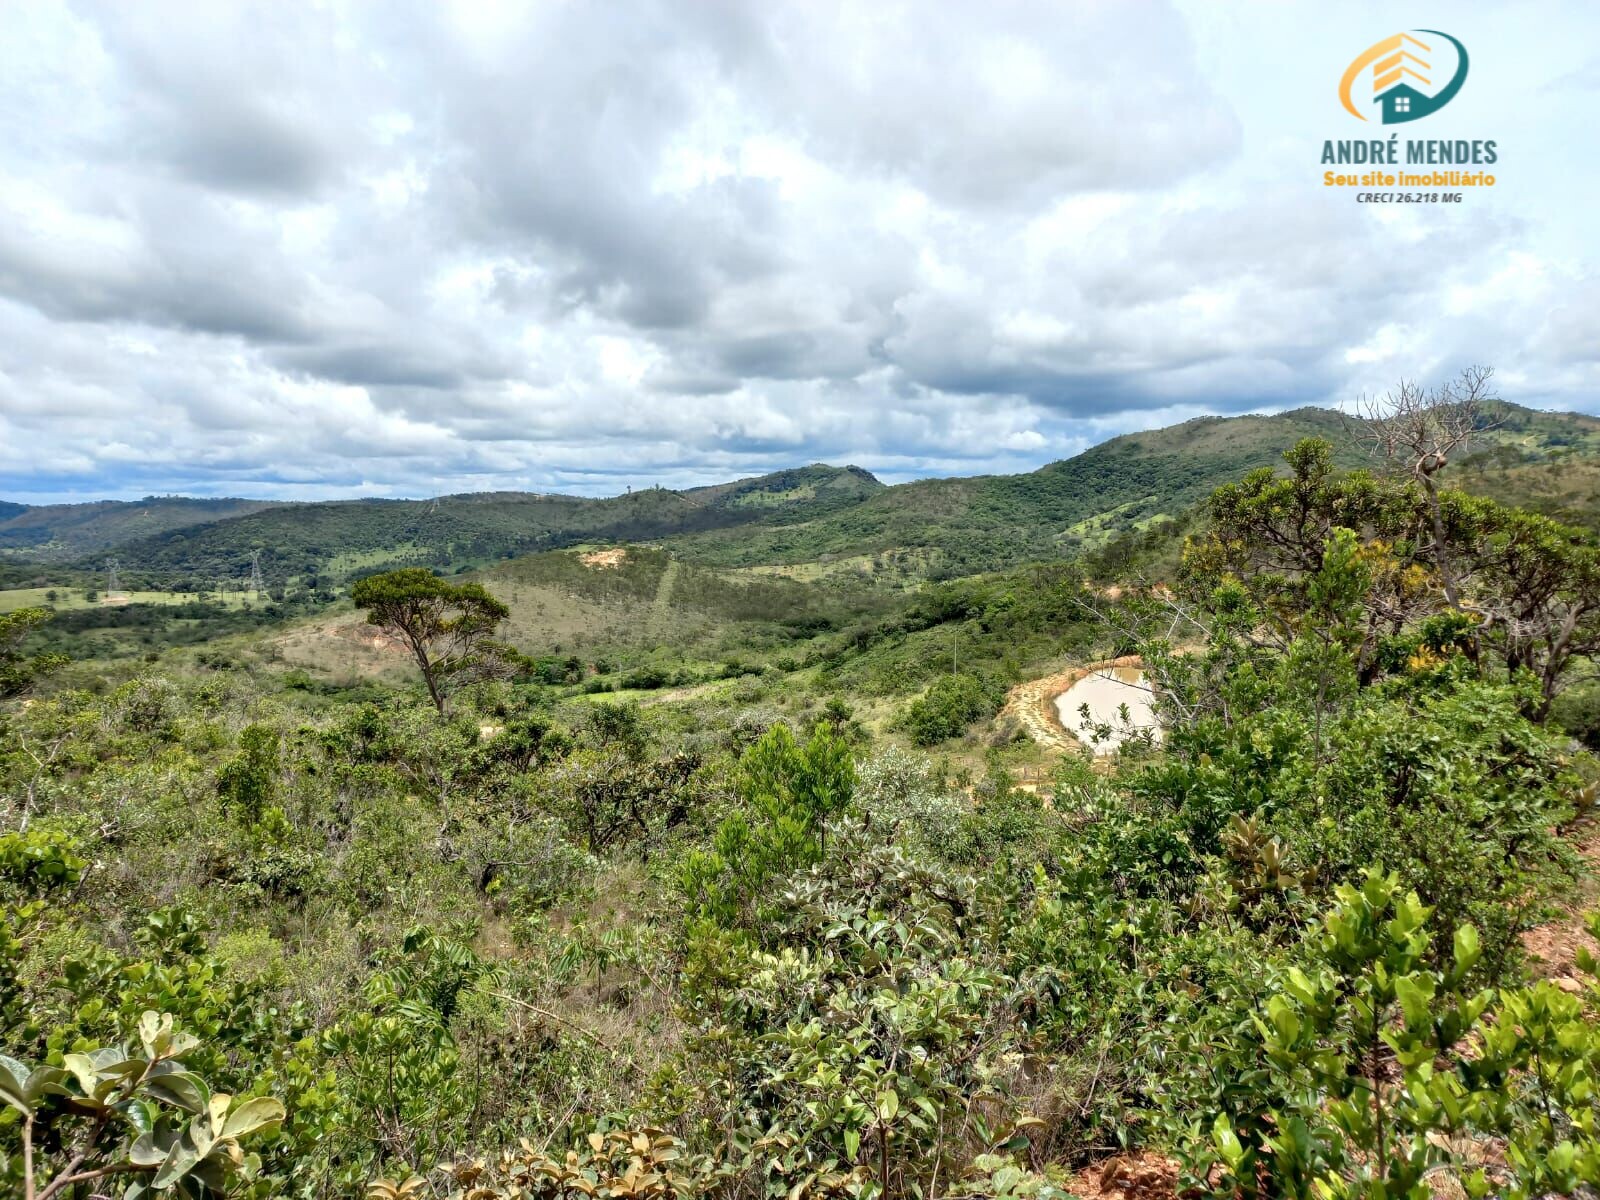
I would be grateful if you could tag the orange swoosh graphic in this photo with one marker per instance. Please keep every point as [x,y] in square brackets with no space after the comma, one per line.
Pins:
[1388,46]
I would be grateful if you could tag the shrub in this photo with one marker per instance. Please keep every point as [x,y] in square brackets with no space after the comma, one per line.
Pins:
[950,704]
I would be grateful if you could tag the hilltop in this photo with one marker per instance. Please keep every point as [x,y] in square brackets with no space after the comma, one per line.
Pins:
[69,531]
[812,521]
[953,527]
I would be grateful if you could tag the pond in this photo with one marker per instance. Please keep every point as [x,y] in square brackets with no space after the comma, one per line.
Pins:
[1105,690]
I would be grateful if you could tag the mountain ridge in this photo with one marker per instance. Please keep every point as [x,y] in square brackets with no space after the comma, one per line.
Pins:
[812,513]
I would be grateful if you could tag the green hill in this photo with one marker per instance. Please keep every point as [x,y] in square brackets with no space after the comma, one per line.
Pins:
[811,486]
[809,521]
[66,532]
[953,527]
[343,538]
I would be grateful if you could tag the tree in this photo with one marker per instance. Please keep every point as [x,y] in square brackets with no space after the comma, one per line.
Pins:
[447,627]
[790,792]
[18,671]
[1481,575]
[247,782]
[1539,596]
[1417,429]
[1385,1073]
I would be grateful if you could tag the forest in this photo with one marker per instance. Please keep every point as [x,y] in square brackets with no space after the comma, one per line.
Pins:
[640,862]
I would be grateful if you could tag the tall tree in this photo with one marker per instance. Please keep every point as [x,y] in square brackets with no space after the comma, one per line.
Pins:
[449,628]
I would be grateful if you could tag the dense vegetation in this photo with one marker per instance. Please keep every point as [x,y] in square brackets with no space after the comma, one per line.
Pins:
[73,530]
[487,923]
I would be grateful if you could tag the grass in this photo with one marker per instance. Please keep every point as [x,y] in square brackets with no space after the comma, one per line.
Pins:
[350,561]
[895,566]
[67,599]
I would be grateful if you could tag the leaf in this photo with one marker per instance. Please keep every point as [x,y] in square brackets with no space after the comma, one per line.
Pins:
[1415,993]
[1467,949]
[217,1108]
[152,1028]
[148,1151]
[251,1116]
[82,1068]
[23,1088]
[180,1160]
[888,1105]
[1228,1144]
[180,1089]
[14,1083]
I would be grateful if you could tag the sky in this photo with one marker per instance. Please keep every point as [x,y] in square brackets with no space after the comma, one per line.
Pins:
[321,250]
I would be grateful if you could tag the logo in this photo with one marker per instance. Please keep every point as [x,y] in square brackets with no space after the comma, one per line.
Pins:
[1395,62]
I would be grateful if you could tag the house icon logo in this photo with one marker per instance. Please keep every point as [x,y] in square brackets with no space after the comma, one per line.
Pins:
[1402,67]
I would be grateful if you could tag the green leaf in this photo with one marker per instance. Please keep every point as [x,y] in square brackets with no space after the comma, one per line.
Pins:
[180,1160]
[1228,1144]
[14,1084]
[1468,950]
[251,1116]
[888,1105]
[180,1089]
[148,1150]
[1415,993]
[23,1088]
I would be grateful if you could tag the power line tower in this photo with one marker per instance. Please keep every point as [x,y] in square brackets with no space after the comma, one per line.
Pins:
[256,586]
[113,581]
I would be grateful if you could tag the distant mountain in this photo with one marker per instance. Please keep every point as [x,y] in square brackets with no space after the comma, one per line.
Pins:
[337,539]
[801,486]
[960,526]
[812,520]
[70,531]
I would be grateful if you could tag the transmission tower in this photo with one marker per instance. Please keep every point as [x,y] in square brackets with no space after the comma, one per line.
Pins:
[113,583]
[256,586]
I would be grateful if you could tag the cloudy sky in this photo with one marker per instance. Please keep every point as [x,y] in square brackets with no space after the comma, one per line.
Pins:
[315,250]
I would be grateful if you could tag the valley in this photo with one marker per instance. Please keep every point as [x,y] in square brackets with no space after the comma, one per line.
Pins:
[755,829]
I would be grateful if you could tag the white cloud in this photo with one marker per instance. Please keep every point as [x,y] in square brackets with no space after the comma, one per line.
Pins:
[291,250]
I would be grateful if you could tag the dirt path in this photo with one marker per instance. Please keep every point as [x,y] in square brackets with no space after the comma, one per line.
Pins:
[1033,704]
[661,608]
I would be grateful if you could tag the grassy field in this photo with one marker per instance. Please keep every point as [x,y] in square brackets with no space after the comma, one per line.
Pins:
[352,561]
[70,599]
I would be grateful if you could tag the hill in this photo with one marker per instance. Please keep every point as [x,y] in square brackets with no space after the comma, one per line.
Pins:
[816,484]
[639,617]
[810,522]
[65,532]
[953,527]
[344,538]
